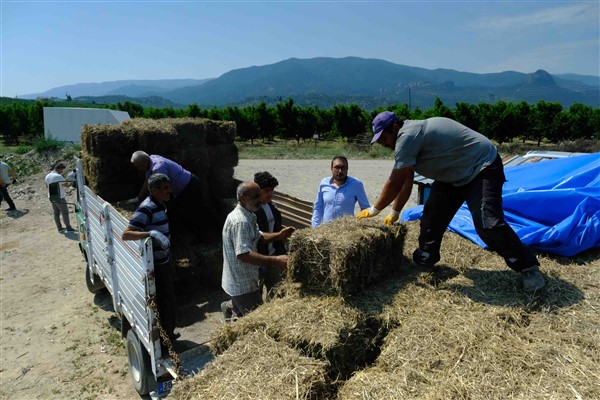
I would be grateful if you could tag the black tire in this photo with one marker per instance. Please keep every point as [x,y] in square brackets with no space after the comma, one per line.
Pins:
[140,369]
[95,287]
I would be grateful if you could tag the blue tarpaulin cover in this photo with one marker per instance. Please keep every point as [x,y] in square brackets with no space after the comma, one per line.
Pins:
[553,205]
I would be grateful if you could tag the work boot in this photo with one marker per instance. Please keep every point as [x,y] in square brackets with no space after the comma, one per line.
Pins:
[533,280]
[227,310]
[424,258]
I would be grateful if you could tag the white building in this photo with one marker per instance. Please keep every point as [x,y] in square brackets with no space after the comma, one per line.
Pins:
[64,123]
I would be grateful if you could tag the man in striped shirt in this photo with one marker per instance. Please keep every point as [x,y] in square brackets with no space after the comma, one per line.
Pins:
[150,220]
[241,260]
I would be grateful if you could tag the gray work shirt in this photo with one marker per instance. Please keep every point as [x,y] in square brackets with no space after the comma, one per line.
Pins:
[443,150]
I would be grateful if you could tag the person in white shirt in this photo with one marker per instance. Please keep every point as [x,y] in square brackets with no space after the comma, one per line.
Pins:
[7,176]
[268,218]
[59,208]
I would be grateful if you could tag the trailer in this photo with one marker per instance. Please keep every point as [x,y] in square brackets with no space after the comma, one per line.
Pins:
[125,270]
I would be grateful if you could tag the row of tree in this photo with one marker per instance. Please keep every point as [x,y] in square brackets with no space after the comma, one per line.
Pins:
[502,122]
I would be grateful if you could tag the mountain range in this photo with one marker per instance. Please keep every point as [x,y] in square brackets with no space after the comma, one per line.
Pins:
[325,82]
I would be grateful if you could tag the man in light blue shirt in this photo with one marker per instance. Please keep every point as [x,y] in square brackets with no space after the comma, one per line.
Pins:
[338,194]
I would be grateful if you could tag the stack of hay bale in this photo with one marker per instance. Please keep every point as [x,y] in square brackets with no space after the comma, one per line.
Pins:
[204,147]
[322,314]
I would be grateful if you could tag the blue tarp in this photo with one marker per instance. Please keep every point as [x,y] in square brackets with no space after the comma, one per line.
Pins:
[553,205]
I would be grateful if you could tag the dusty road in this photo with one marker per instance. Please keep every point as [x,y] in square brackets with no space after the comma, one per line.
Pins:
[57,340]
[300,178]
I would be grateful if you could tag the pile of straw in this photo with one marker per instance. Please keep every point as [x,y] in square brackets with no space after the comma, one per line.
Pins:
[463,329]
[474,334]
[325,328]
[257,367]
[344,256]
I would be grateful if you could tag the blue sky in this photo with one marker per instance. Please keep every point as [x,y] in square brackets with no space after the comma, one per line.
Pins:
[45,44]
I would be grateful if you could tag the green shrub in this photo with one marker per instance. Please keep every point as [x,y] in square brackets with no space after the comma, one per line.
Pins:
[44,144]
[23,149]
[379,151]
[72,150]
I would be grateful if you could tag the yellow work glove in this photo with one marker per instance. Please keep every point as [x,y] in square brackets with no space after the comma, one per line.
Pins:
[368,213]
[392,217]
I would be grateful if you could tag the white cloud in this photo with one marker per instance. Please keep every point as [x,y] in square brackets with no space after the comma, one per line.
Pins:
[567,15]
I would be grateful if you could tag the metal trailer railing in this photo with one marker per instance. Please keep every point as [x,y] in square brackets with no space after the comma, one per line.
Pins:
[294,212]
[126,270]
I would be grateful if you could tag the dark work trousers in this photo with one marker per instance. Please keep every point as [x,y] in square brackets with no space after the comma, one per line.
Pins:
[166,301]
[268,278]
[245,303]
[484,199]
[4,195]
[61,208]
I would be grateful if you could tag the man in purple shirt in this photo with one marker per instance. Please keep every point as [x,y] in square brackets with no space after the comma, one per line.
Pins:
[186,203]
[338,194]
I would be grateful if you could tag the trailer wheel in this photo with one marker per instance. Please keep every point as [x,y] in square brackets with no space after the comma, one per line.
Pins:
[139,365]
[97,286]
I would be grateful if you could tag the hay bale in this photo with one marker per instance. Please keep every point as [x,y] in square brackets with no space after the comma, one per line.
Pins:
[195,159]
[221,182]
[110,140]
[191,131]
[376,383]
[108,169]
[219,132]
[154,135]
[344,256]
[224,155]
[257,367]
[325,328]
[203,131]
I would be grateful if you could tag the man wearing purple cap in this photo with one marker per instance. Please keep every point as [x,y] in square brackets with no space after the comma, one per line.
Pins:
[465,166]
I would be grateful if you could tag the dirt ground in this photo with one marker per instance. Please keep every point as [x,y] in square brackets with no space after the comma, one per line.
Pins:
[60,341]
[301,178]
[57,340]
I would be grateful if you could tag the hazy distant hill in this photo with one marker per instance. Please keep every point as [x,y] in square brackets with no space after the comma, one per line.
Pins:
[132,88]
[372,83]
[149,101]
[369,83]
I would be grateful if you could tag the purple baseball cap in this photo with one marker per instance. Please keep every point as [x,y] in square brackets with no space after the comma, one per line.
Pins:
[382,121]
